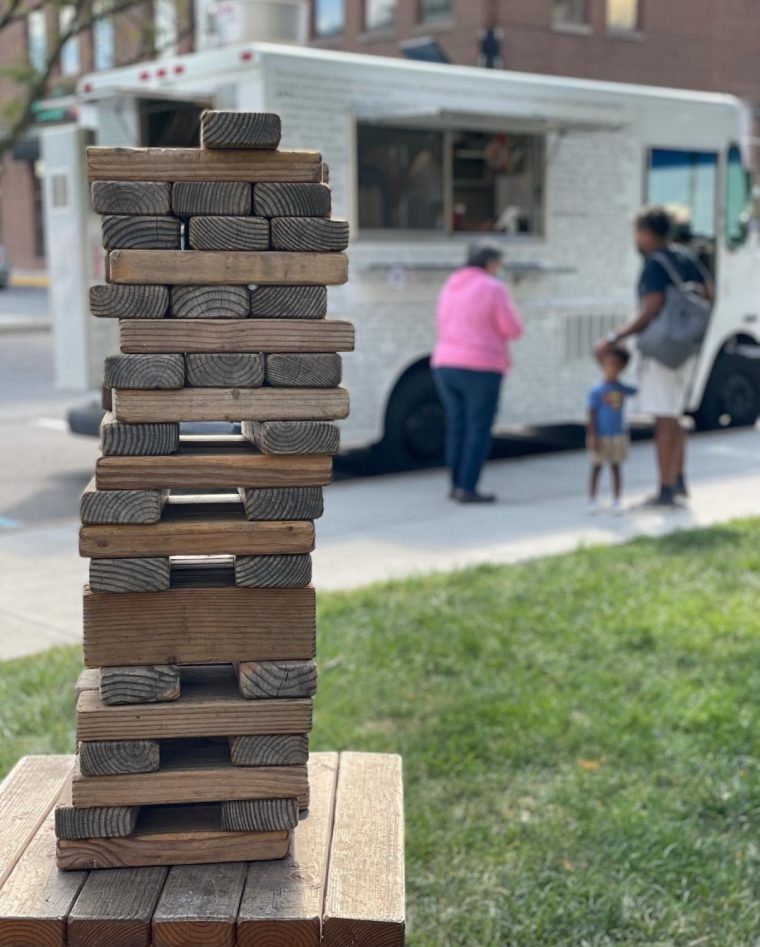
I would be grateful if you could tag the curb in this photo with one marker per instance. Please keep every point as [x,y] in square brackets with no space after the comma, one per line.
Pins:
[27,280]
[25,325]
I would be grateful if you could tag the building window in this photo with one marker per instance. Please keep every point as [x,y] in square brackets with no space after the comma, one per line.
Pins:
[166,28]
[623,15]
[103,52]
[70,64]
[379,14]
[449,181]
[569,11]
[36,32]
[329,17]
[436,10]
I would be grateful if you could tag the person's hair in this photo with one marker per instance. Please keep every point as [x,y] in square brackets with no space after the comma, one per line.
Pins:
[656,220]
[481,254]
[621,354]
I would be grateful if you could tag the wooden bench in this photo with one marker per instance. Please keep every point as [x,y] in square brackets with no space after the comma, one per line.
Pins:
[342,883]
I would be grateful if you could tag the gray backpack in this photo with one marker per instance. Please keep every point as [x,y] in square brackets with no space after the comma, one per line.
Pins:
[679,329]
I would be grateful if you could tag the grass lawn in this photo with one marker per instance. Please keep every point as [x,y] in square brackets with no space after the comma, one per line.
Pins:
[581,739]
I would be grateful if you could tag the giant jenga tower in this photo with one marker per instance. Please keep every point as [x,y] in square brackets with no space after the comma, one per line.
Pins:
[199,619]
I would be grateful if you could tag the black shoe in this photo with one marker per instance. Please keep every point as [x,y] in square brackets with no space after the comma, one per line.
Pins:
[665,498]
[680,489]
[455,493]
[472,496]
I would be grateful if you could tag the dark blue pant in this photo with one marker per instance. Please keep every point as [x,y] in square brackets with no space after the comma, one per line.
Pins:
[470,400]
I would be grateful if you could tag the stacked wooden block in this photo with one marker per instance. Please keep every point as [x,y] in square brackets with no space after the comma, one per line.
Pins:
[199,618]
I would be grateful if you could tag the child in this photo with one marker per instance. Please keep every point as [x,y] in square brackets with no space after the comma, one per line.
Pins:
[607,433]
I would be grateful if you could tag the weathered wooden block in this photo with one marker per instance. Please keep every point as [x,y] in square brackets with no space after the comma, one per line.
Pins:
[282,503]
[129,301]
[236,335]
[273,571]
[289,302]
[235,267]
[224,370]
[228,233]
[325,173]
[293,437]
[292,200]
[131,197]
[216,198]
[95,822]
[240,130]
[130,575]
[259,815]
[148,684]
[141,233]
[209,302]
[144,371]
[303,234]
[304,370]
[291,749]
[130,440]
[263,680]
[116,757]
[120,506]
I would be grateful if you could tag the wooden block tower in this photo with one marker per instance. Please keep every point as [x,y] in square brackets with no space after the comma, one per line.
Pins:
[199,618]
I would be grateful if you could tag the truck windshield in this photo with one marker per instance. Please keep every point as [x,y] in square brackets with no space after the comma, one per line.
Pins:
[738,199]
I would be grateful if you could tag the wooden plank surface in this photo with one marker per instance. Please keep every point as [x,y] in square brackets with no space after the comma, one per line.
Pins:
[282,904]
[272,572]
[288,302]
[237,335]
[292,200]
[296,370]
[283,503]
[129,302]
[131,197]
[205,267]
[27,795]
[228,233]
[227,129]
[115,907]
[293,437]
[140,684]
[228,461]
[182,533]
[224,369]
[120,506]
[308,234]
[121,232]
[199,626]
[114,757]
[190,775]
[170,836]
[197,164]
[262,680]
[364,899]
[284,749]
[209,706]
[209,302]
[231,404]
[216,198]
[144,371]
[130,575]
[198,906]
[36,899]
[143,440]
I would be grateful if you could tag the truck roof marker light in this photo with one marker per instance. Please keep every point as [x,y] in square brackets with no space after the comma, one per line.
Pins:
[161,73]
[87,87]
[246,55]
[143,75]
[179,69]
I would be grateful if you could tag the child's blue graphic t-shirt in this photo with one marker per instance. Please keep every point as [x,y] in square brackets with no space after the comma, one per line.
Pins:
[607,401]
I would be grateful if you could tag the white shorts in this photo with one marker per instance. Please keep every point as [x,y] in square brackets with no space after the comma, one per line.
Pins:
[663,390]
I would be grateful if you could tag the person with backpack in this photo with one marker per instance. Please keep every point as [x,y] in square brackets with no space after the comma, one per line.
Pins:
[675,294]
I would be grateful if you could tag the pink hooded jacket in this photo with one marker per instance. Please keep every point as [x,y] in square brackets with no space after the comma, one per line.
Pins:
[476,321]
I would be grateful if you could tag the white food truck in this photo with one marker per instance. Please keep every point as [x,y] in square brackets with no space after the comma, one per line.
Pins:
[425,158]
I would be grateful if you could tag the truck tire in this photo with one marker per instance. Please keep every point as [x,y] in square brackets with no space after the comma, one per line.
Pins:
[414,424]
[732,396]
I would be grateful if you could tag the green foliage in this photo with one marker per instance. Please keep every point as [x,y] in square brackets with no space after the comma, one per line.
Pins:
[581,738]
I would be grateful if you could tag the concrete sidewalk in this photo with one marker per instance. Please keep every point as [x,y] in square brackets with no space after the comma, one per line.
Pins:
[389,527]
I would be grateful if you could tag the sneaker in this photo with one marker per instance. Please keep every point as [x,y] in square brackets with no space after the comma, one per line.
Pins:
[592,507]
[472,496]
[617,508]
[454,493]
[664,498]
[680,489]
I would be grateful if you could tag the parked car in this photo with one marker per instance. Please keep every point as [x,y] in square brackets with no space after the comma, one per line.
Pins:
[5,267]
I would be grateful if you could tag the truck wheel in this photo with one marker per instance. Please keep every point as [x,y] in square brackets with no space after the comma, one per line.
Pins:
[732,396]
[414,424]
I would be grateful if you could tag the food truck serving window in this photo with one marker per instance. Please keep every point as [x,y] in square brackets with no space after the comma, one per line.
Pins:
[449,181]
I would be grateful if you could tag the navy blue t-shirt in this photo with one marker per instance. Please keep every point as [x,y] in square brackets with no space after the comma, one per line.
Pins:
[655,279]
[607,401]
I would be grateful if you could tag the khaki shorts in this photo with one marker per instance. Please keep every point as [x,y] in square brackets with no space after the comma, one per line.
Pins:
[612,450]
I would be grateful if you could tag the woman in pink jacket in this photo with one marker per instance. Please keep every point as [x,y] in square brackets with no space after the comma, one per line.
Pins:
[476,321]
